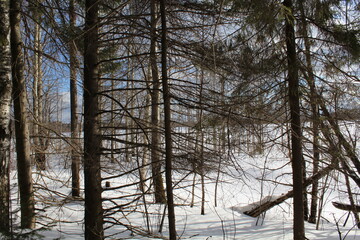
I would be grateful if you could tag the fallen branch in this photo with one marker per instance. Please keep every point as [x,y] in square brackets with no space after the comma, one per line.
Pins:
[268,203]
[347,207]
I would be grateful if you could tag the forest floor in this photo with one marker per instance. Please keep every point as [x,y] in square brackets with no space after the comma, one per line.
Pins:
[62,218]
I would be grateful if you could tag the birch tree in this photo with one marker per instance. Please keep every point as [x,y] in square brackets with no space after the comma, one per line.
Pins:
[5,105]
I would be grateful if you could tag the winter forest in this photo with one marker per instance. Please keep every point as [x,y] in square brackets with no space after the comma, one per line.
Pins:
[179,119]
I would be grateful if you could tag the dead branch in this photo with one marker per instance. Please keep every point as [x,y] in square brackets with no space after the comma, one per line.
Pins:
[266,205]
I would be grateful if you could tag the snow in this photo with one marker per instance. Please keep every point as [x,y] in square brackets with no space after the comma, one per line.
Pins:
[222,222]
[240,189]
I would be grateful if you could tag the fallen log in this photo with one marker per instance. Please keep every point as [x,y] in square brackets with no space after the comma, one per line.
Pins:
[347,207]
[268,203]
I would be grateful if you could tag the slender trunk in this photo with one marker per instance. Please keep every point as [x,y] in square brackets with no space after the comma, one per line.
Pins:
[202,175]
[143,166]
[352,201]
[201,146]
[167,116]
[294,102]
[310,78]
[112,123]
[159,190]
[222,143]
[92,140]
[75,149]
[39,143]
[21,125]
[5,105]
[193,188]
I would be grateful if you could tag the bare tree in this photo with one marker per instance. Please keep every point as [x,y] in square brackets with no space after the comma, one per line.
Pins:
[310,77]
[159,191]
[75,155]
[167,122]
[39,141]
[21,124]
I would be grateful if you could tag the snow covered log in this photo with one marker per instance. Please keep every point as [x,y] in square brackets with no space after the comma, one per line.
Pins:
[267,203]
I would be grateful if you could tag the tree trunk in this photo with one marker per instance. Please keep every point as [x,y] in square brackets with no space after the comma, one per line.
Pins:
[21,125]
[92,140]
[294,102]
[167,116]
[75,149]
[39,143]
[200,145]
[310,78]
[159,191]
[5,105]
[352,201]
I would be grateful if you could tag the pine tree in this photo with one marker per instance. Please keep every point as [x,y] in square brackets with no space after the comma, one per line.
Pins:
[296,142]
[92,139]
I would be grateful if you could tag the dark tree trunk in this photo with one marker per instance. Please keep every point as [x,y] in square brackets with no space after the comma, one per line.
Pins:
[92,140]
[296,148]
[159,190]
[75,149]
[167,116]
[5,105]
[200,145]
[21,124]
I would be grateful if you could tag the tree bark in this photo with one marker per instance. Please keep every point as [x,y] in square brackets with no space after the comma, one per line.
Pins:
[5,105]
[21,125]
[159,191]
[167,120]
[75,148]
[294,102]
[92,140]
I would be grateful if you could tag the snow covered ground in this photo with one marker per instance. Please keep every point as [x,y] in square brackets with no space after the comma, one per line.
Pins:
[226,221]
[254,178]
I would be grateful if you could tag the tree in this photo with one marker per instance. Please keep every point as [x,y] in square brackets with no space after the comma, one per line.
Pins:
[21,124]
[37,90]
[314,111]
[167,123]
[75,155]
[92,139]
[294,102]
[5,105]
[159,191]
